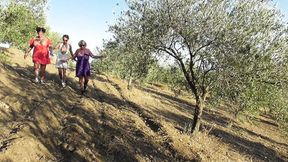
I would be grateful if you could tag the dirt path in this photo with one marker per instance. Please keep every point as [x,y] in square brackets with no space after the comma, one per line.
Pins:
[110,123]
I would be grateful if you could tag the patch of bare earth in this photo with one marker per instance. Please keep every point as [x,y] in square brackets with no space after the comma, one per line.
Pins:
[110,123]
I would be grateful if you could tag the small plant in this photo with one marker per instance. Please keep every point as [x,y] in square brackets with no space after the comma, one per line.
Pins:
[188,128]
[3,57]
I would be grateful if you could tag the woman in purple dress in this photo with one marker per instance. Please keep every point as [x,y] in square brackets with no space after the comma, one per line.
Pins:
[83,66]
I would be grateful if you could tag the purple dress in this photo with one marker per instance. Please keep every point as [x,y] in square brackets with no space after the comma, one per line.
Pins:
[83,65]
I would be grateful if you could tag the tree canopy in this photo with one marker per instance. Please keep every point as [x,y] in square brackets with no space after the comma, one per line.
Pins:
[234,51]
[18,20]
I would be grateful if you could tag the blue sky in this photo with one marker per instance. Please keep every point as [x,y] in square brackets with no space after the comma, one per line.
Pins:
[89,19]
[283,6]
[84,19]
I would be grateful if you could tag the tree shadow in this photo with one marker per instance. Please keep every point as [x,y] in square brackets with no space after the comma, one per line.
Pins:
[147,118]
[254,149]
[214,117]
[177,119]
[259,135]
[178,103]
[115,141]
[101,134]
[96,135]
[218,119]
[266,121]
[175,99]
[101,78]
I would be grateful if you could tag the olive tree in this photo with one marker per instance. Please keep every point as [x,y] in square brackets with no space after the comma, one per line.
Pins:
[225,49]
[126,61]
[18,19]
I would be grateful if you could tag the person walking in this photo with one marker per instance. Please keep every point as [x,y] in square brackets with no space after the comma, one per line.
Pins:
[63,54]
[42,49]
[83,70]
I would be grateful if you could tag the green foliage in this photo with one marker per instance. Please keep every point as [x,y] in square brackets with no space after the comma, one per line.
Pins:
[125,63]
[169,75]
[19,19]
[236,54]
[36,6]
[3,57]
[53,36]
[110,64]
[255,67]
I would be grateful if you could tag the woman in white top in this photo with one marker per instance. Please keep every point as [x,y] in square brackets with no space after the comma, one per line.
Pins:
[64,53]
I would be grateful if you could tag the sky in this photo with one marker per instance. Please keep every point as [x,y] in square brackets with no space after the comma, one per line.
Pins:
[283,6]
[89,19]
[84,19]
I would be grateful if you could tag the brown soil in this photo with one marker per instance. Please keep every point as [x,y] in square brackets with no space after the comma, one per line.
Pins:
[110,123]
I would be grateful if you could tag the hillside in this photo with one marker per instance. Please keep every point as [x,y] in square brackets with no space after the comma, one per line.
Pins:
[50,123]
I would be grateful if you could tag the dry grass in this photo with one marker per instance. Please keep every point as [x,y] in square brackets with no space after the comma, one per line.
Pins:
[111,123]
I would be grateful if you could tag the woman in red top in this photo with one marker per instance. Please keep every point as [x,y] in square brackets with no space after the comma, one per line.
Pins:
[42,48]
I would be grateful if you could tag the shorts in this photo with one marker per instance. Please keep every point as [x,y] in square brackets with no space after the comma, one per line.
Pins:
[62,65]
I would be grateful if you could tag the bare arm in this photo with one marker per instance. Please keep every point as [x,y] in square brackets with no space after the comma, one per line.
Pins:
[58,45]
[75,55]
[98,57]
[50,47]
[70,50]
[94,56]
[51,50]
[28,50]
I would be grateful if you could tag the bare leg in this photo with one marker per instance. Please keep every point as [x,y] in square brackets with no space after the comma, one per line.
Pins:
[64,75]
[86,82]
[42,72]
[81,83]
[36,71]
[60,73]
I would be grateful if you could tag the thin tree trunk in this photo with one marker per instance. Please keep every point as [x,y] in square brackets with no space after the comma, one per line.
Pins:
[199,101]
[130,80]
[130,83]
[197,116]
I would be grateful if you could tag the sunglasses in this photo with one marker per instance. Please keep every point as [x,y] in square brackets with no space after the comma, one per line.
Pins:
[65,40]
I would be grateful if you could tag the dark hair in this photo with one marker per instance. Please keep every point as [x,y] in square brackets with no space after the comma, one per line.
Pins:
[65,36]
[38,29]
[82,43]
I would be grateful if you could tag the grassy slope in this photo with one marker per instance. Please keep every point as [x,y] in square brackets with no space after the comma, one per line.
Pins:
[46,122]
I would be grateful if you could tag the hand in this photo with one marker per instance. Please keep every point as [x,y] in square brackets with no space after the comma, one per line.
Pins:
[98,57]
[25,55]
[102,57]
[74,59]
[62,61]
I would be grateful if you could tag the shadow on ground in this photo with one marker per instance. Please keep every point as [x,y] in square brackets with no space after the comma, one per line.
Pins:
[73,132]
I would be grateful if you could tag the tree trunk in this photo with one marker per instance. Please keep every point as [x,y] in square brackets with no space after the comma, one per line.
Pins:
[130,83]
[197,116]
[130,80]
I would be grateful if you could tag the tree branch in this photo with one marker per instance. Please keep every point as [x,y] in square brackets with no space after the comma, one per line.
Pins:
[203,46]
[164,49]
